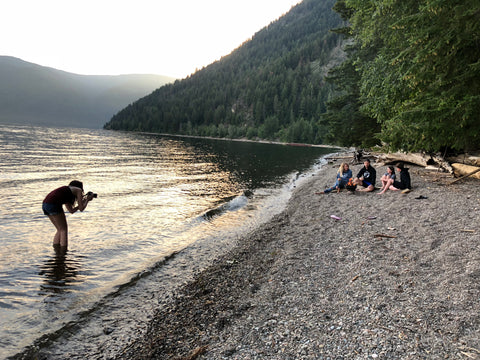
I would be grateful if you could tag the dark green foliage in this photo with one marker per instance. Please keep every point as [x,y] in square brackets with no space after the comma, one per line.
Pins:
[272,87]
[411,80]
[417,71]
[344,120]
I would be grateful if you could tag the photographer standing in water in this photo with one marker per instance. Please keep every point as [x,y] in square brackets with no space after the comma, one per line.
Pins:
[52,207]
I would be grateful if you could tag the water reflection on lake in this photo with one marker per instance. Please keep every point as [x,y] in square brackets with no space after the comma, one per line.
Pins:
[157,196]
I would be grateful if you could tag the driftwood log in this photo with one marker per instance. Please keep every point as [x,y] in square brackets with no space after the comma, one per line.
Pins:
[465,171]
[421,159]
[355,158]
[467,159]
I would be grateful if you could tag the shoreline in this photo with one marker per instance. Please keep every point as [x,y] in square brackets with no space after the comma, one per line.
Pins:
[396,277]
[271,142]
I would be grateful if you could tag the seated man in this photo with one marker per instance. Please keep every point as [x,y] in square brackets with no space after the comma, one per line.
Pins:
[366,177]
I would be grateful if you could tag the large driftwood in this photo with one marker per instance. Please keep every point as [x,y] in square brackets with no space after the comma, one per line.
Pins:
[420,159]
[413,158]
[465,171]
[442,163]
[467,159]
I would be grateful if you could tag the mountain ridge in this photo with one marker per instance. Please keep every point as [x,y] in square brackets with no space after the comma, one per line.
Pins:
[32,94]
[272,87]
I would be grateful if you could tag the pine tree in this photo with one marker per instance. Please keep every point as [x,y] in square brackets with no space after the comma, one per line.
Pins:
[422,82]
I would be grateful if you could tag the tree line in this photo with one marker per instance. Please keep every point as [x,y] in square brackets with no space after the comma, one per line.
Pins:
[398,73]
[412,75]
[271,87]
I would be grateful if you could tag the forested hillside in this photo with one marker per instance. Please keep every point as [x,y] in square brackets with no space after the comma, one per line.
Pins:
[271,87]
[37,95]
[409,79]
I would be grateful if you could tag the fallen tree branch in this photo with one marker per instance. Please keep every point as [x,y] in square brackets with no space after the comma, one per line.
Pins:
[196,353]
[385,236]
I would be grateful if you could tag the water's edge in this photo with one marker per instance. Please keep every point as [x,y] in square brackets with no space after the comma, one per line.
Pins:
[105,329]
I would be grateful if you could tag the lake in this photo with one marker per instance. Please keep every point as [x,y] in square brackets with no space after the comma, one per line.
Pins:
[166,208]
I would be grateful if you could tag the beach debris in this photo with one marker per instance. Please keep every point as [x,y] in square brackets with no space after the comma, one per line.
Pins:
[434,168]
[196,353]
[368,218]
[420,159]
[384,236]
[472,159]
[421,197]
[335,217]
[108,330]
[468,230]
[471,352]
[465,171]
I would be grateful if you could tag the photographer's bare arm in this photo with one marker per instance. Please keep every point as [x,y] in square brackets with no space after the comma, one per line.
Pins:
[82,201]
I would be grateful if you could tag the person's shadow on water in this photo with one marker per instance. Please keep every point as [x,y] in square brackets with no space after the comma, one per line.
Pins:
[60,271]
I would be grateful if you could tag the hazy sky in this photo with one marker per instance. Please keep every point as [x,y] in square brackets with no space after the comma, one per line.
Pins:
[103,37]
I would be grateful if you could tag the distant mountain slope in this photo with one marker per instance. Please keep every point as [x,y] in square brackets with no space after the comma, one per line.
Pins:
[33,94]
[271,87]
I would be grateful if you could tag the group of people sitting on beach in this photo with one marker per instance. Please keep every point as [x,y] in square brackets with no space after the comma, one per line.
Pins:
[366,178]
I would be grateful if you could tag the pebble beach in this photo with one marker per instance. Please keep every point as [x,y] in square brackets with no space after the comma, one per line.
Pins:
[338,276]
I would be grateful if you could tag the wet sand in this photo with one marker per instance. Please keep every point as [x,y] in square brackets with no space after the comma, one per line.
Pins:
[397,277]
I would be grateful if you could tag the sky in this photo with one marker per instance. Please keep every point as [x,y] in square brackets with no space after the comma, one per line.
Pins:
[112,37]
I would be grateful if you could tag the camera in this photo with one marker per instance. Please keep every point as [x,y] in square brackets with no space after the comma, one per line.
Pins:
[92,194]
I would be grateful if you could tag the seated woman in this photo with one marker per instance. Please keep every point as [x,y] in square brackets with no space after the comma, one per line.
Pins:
[403,184]
[390,174]
[343,175]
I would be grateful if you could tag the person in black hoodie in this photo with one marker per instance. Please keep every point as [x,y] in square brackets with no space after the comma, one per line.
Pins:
[366,177]
[403,184]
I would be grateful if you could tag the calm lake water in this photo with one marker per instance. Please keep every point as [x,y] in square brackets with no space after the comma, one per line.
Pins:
[166,208]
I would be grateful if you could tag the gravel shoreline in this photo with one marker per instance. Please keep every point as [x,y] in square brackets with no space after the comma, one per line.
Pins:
[396,278]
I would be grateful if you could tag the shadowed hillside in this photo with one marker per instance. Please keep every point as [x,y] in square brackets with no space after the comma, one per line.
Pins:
[271,87]
[37,95]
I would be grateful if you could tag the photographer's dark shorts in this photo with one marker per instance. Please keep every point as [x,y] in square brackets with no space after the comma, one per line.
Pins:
[52,209]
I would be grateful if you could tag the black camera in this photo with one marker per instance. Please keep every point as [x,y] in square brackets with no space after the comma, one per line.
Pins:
[92,194]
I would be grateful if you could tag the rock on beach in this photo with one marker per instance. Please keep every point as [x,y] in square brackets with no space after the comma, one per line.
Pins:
[397,276]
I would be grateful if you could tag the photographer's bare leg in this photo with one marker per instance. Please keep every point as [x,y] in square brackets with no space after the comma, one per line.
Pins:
[60,223]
